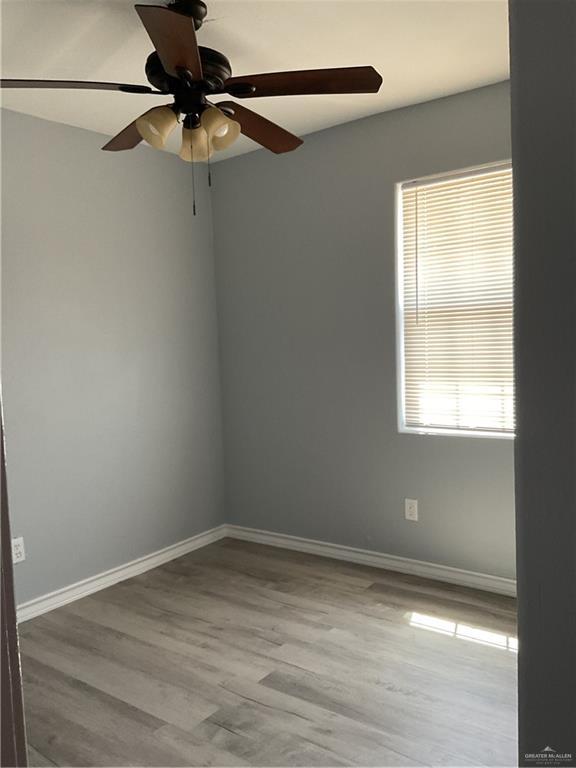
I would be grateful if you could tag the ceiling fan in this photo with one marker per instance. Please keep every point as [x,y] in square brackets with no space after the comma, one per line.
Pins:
[190,73]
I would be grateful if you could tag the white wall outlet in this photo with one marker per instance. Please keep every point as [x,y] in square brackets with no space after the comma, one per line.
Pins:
[18,551]
[411,509]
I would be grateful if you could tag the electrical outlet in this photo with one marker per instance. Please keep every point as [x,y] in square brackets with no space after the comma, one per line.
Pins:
[18,551]
[411,509]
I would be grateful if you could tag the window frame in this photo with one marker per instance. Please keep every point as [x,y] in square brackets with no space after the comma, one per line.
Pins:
[403,428]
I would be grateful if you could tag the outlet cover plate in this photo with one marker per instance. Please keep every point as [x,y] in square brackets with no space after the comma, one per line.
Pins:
[18,551]
[411,510]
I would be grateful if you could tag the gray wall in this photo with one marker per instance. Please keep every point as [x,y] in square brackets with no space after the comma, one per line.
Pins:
[110,348]
[305,272]
[110,362]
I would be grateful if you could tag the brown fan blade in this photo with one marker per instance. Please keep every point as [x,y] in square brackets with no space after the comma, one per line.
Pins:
[258,128]
[306,81]
[126,139]
[80,84]
[174,39]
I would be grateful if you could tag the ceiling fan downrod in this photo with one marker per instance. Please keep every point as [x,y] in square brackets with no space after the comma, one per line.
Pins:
[195,9]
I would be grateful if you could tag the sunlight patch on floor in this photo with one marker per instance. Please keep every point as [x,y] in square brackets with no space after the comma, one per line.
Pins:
[464,631]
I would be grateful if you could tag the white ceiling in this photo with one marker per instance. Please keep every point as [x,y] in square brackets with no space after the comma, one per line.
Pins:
[424,49]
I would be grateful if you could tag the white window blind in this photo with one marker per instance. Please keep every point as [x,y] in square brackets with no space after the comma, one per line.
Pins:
[455,299]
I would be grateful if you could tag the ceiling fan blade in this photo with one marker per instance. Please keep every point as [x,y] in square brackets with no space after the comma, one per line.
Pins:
[80,84]
[174,39]
[306,81]
[258,128]
[126,139]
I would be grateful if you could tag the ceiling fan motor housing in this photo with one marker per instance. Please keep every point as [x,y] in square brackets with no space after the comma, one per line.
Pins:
[215,66]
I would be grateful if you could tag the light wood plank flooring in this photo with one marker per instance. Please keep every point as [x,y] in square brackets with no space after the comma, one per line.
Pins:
[241,654]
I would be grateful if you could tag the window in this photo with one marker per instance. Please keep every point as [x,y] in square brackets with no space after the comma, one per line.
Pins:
[455,303]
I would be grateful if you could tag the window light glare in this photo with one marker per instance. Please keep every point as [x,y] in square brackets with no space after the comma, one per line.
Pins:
[483,636]
[433,623]
[464,631]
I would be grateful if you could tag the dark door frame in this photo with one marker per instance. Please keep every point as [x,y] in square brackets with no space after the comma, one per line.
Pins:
[13,734]
[543,74]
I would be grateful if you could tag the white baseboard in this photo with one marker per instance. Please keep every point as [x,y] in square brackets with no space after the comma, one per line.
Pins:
[48,602]
[421,568]
[60,597]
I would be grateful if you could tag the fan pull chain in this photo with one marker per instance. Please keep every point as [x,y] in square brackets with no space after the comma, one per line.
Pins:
[208,154]
[193,180]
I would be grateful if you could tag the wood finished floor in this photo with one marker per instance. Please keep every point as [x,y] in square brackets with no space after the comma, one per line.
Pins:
[241,654]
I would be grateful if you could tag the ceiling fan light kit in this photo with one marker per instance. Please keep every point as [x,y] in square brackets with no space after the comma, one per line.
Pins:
[195,145]
[221,130]
[157,124]
[192,74]
[215,131]
[224,140]
[214,122]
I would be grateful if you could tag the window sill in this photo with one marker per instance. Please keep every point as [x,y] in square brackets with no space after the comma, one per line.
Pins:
[438,432]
